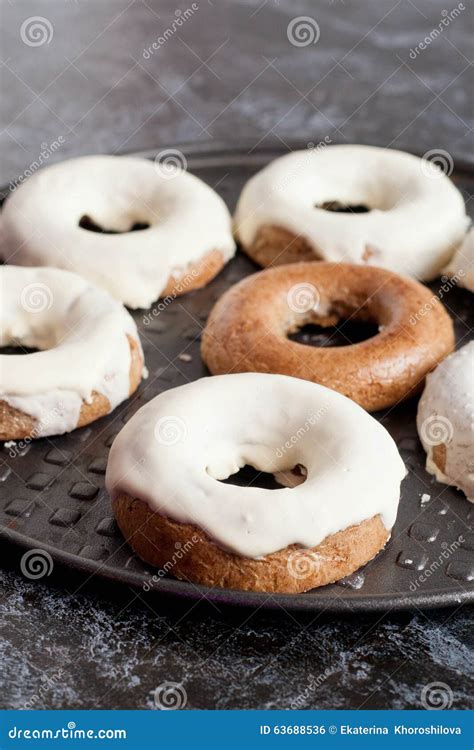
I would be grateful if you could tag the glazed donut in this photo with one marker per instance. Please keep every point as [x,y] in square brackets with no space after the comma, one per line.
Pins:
[166,466]
[184,241]
[90,357]
[358,204]
[461,267]
[445,421]
[248,327]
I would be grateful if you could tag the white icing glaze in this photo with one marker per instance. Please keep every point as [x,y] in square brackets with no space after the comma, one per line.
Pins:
[446,416]
[417,219]
[461,267]
[173,451]
[40,224]
[82,332]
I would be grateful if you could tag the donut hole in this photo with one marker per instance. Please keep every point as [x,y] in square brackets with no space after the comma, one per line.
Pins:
[86,222]
[38,337]
[345,332]
[249,476]
[344,208]
[17,348]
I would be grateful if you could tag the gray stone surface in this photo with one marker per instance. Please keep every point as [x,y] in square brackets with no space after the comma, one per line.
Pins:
[68,645]
[228,72]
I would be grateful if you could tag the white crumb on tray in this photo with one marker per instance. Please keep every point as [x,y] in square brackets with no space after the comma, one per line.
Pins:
[425,498]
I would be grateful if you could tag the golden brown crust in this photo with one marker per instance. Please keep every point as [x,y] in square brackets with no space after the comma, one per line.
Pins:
[195,276]
[273,246]
[248,327]
[16,425]
[439,456]
[158,540]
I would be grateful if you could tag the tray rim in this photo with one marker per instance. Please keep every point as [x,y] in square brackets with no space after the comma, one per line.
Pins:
[201,155]
[234,597]
[245,147]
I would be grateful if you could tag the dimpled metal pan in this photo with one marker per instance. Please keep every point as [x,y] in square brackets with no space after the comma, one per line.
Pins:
[52,494]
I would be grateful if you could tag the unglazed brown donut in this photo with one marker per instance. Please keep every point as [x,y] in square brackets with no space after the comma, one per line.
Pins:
[248,327]
[156,539]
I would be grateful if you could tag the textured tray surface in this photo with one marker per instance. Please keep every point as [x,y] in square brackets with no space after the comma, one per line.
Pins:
[52,492]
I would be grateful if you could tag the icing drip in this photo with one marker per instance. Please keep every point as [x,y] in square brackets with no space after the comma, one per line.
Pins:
[446,418]
[404,193]
[174,451]
[82,334]
[40,224]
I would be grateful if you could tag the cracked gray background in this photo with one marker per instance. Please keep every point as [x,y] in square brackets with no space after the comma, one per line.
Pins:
[230,72]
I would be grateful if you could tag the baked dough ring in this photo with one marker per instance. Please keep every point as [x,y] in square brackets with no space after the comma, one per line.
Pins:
[248,327]
[461,267]
[165,465]
[445,421]
[90,360]
[186,240]
[292,210]
[157,539]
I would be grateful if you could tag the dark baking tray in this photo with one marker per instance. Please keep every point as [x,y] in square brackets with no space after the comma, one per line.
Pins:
[52,493]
